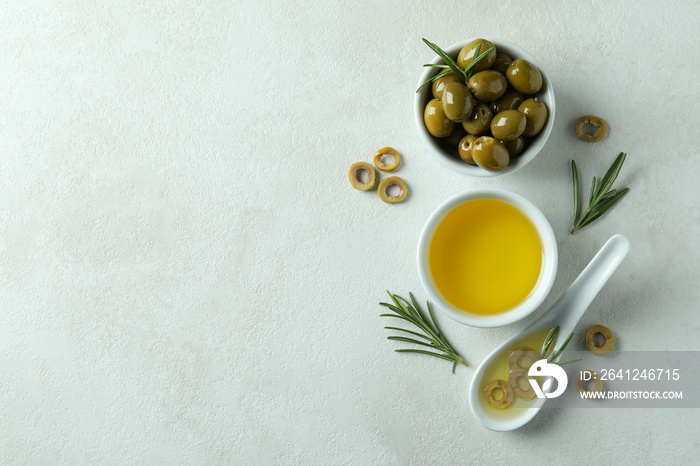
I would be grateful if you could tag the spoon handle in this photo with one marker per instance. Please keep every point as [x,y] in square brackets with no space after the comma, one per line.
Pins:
[567,311]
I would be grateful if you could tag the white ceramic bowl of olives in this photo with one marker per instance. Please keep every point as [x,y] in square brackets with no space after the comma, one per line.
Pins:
[494,123]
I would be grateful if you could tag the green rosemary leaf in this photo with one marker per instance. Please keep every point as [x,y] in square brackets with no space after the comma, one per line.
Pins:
[609,178]
[549,340]
[411,312]
[587,220]
[608,195]
[574,175]
[434,78]
[407,331]
[476,60]
[558,352]
[476,54]
[568,361]
[446,58]
[433,65]
[437,355]
[602,197]
[410,340]
[604,206]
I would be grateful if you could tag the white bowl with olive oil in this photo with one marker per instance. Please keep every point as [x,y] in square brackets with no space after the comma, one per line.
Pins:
[487,257]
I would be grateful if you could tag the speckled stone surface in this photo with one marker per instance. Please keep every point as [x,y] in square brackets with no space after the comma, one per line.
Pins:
[187,277]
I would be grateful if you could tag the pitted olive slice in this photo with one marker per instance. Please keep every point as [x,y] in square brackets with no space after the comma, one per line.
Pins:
[606,343]
[387,184]
[522,358]
[498,394]
[592,376]
[390,152]
[591,128]
[517,380]
[355,172]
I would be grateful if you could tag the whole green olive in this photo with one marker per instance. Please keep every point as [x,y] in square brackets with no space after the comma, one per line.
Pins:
[508,101]
[457,101]
[487,85]
[480,121]
[457,134]
[436,122]
[439,84]
[501,63]
[465,148]
[467,54]
[535,113]
[524,77]
[515,147]
[508,125]
[490,154]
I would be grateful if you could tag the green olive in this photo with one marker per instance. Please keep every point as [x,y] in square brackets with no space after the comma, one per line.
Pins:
[479,122]
[457,101]
[439,85]
[457,134]
[387,153]
[387,183]
[465,148]
[490,154]
[436,122]
[367,170]
[591,128]
[535,113]
[487,85]
[524,77]
[467,53]
[501,63]
[515,147]
[508,101]
[508,125]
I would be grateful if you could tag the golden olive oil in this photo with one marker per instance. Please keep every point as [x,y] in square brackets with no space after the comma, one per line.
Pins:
[485,256]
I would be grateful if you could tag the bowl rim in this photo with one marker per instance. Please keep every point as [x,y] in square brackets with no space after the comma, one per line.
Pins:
[513,50]
[547,272]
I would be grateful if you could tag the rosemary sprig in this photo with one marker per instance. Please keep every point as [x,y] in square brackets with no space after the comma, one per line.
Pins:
[451,66]
[601,199]
[476,54]
[430,335]
[549,345]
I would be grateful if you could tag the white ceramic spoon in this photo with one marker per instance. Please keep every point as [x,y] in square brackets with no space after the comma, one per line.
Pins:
[566,313]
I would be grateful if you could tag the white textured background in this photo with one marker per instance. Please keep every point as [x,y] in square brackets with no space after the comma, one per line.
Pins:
[186,275]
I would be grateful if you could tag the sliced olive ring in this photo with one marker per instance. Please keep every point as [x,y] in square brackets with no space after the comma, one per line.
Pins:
[518,355]
[505,400]
[387,183]
[591,128]
[355,170]
[608,340]
[514,380]
[598,384]
[391,152]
